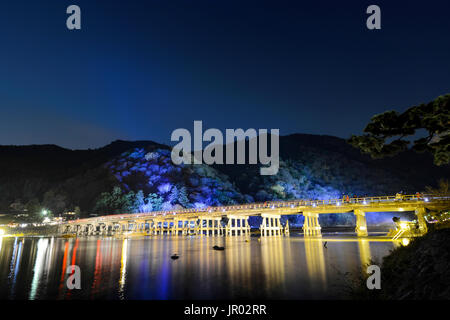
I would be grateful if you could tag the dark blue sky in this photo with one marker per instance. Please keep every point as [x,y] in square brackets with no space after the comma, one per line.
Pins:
[140,69]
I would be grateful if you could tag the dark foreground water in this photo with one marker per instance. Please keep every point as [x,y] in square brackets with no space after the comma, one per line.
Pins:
[141,268]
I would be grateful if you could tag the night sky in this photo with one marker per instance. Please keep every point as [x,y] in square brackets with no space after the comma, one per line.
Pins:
[140,69]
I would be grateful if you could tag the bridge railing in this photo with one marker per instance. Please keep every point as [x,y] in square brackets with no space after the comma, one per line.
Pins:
[278,204]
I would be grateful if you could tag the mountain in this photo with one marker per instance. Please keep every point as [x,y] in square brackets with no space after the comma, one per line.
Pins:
[319,166]
[311,166]
[27,173]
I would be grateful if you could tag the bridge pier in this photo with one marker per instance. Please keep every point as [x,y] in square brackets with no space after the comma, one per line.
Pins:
[150,227]
[217,227]
[174,228]
[178,228]
[123,227]
[104,229]
[136,226]
[311,226]
[286,228]
[127,227]
[361,223]
[81,230]
[171,227]
[189,229]
[154,228]
[237,224]
[99,228]
[167,226]
[140,225]
[89,229]
[271,225]
[109,228]
[420,213]
[118,228]
[159,228]
[64,229]
[212,227]
[147,226]
[184,226]
[113,228]
[201,227]
[95,229]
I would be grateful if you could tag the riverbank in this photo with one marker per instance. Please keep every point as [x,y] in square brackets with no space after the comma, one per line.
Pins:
[418,271]
[30,231]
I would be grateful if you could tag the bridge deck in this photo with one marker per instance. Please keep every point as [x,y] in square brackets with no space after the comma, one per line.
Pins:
[292,207]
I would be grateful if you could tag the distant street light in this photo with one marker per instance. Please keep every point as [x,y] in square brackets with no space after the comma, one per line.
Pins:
[44,212]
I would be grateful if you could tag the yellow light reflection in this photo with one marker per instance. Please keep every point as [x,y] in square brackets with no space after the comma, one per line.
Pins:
[315,261]
[273,261]
[364,253]
[238,260]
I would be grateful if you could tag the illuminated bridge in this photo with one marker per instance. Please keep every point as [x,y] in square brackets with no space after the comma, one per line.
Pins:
[209,221]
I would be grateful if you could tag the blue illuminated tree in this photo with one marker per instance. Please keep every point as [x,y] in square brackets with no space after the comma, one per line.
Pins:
[183,199]
[154,201]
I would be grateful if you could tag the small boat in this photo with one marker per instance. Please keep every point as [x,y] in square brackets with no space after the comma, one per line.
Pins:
[175,256]
[218,248]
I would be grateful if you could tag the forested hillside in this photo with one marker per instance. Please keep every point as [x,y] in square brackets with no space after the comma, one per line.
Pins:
[140,176]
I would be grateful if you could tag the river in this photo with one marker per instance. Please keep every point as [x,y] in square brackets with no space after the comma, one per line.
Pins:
[141,268]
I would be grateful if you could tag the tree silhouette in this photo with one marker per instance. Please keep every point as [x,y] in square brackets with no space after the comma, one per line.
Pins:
[442,190]
[387,133]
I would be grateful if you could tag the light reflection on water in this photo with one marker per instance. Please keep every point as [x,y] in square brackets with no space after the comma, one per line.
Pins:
[315,263]
[141,268]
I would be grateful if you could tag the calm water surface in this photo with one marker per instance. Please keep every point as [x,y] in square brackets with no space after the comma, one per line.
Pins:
[141,268]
